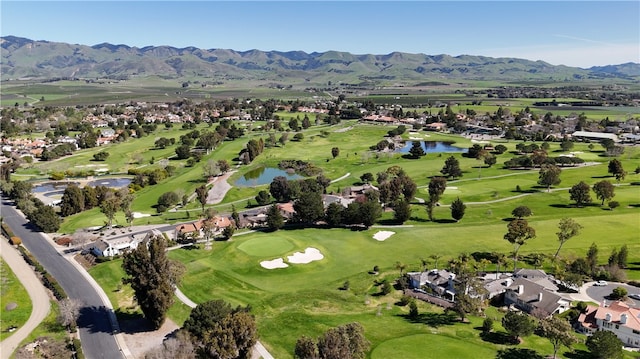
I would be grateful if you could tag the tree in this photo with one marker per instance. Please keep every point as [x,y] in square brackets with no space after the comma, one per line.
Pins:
[183,152]
[616,169]
[263,198]
[416,150]
[521,212]
[335,152]
[69,310]
[306,348]
[451,168]
[333,214]
[549,175]
[500,149]
[367,177]
[202,193]
[275,220]
[280,189]
[369,212]
[109,206]
[457,209]
[101,156]
[152,277]
[568,228]
[618,293]
[401,211]
[210,169]
[309,208]
[413,310]
[580,193]
[518,232]
[518,324]
[604,190]
[622,256]
[72,201]
[487,325]
[605,345]
[566,145]
[592,257]
[558,331]
[344,342]
[221,331]
[437,186]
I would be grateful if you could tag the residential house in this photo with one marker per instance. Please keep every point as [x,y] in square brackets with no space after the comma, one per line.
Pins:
[616,317]
[436,126]
[528,296]
[111,248]
[286,210]
[195,229]
[440,282]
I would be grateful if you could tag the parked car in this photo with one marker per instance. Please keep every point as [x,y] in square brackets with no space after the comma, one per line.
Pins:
[601,283]
[634,296]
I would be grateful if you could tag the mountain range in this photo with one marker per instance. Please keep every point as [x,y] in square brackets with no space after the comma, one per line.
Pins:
[26,58]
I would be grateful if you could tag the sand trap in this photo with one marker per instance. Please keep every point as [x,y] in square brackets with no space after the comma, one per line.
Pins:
[451,187]
[140,215]
[382,235]
[273,264]
[310,254]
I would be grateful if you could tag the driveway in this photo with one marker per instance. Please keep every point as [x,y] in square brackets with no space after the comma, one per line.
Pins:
[591,293]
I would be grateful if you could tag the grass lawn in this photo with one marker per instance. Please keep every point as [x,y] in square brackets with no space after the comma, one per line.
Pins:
[12,291]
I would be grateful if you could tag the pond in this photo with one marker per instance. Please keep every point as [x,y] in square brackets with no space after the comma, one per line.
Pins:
[431,147]
[51,186]
[60,186]
[263,175]
[110,182]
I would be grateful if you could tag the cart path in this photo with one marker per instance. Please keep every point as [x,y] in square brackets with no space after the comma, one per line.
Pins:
[37,292]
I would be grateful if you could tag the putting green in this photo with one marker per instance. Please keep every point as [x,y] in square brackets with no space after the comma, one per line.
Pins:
[266,246]
[425,346]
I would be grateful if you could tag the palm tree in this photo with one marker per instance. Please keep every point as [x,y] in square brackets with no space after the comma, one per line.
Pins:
[501,259]
[425,264]
[435,257]
[401,266]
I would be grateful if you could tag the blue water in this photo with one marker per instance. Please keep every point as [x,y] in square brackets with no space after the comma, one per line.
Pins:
[263,175]
[51,186]
[432,147]
[111,182]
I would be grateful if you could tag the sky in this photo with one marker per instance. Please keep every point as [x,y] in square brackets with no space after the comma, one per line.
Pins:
[572,33]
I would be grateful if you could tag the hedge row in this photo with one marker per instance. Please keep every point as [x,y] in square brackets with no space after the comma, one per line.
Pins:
[47,279]
[78,348]
[7,231]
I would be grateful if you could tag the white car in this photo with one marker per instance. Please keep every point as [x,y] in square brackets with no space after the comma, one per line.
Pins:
[634,296]
[601,283]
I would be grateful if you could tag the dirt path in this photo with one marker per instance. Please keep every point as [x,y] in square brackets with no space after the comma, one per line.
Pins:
[37,293]
[219,189]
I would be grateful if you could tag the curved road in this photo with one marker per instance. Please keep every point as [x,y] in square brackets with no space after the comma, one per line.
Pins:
[95,321]
[37,293]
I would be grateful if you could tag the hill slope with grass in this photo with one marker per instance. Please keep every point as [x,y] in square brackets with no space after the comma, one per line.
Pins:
[26,58]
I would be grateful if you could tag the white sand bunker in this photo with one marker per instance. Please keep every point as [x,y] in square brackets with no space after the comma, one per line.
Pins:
[382,235]
[140,215]
[451,187]
[273,264]
[309,255]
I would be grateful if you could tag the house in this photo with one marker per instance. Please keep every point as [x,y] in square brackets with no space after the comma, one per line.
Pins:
[537,276]
[286,210]
[111,248]
[436,126]
[595,136]
[355,191]
[528,296]
[327,199]
[441,282]
[195,229]
[616,317]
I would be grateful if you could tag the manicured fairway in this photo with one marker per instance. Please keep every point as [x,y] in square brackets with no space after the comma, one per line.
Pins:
[431,346]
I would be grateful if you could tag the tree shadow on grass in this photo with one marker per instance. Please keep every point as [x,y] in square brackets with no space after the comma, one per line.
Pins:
[501,338]
[432,319]
[526,191]
[578,354]
[131,323]
[518,353]
[445,220]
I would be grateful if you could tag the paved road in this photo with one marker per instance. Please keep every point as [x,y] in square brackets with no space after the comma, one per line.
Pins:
[94,322]
[37,293]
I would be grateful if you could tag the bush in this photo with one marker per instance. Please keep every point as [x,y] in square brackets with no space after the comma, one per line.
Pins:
[78,348]
[618,293]
[487,325]
[581,306]
[63,241]
[614,204]
[7,231]
[404,300]
[16,241]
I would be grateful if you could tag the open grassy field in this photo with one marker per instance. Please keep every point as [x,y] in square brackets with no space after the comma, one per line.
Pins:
[12,291]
